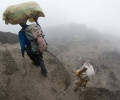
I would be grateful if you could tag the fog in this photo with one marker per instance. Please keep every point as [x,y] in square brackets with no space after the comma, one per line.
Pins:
[101,15]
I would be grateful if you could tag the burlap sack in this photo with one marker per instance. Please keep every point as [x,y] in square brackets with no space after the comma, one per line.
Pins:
[18,13]
[89,73]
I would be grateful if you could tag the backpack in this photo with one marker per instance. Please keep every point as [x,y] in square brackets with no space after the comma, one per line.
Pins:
[37,41]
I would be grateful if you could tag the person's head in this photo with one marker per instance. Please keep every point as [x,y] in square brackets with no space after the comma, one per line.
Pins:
[23,23]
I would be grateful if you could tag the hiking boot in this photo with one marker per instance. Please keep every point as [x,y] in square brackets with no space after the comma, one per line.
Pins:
[45,75]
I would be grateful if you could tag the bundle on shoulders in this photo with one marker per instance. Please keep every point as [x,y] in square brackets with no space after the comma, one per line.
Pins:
[18,13]
[88,74]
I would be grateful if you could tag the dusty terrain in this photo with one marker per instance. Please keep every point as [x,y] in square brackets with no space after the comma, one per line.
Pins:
[74,44]
[21,79]
[69,46]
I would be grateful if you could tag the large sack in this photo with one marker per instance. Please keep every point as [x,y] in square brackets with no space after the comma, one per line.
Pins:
[88,74]
[18,13]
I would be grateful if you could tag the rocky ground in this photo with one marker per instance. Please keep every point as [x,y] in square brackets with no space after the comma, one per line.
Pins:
[20,79]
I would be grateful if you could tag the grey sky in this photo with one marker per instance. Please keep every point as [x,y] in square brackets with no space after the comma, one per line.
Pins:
[102,15]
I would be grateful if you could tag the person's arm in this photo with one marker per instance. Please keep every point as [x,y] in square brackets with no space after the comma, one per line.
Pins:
[83,70]
[22,37]
[35,19]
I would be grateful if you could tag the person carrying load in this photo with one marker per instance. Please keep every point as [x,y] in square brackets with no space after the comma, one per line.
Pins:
[84,74]
[31,37]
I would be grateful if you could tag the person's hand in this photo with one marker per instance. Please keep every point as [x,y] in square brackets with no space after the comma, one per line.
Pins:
[35,19]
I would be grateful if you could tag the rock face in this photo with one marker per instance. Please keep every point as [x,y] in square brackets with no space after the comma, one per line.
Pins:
[93,93]
[98,94]
[20,79]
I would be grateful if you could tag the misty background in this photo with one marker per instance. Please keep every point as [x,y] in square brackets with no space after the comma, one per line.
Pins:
[101,15]
[76,31]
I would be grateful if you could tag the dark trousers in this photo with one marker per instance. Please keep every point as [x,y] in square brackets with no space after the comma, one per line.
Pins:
[38,60]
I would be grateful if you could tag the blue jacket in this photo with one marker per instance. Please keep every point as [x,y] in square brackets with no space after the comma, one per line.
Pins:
[23,40]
